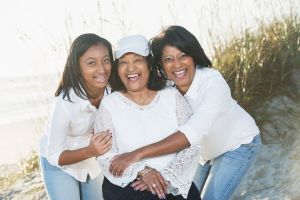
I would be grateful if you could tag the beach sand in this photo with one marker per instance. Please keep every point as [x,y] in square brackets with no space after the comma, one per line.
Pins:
[18,139]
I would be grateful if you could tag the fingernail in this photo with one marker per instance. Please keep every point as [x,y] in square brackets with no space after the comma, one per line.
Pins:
[135,189]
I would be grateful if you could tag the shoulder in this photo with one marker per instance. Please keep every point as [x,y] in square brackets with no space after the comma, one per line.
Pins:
[208,77]
[110,99]
[208,73]
[63,102]
[169,93]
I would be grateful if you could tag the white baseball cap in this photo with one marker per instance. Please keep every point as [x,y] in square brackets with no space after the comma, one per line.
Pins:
[134,43]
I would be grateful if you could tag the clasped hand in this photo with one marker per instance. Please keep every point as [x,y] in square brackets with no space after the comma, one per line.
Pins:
[152,181]
[121,162]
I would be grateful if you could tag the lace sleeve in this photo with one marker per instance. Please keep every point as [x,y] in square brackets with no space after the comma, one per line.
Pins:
[180,172]
[103,122]
[183,109]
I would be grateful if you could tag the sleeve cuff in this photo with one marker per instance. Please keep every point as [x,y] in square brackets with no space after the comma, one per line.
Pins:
[129,175]
[191,134]
[53,159]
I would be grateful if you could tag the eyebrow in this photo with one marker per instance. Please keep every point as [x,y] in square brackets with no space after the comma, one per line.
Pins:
[167,56]
[96,58]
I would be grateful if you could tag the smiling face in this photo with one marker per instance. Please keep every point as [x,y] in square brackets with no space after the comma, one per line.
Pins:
[179,67]
[133,72]
[95,68]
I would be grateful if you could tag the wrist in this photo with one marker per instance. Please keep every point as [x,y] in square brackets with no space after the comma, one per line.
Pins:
[139,154]
[145,171]
[88,152]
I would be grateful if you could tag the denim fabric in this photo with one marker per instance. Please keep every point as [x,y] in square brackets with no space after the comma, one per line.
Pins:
[60,185]
[219,179]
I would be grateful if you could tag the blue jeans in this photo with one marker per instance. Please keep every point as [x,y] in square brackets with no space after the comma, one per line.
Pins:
[218,180]
[60,185]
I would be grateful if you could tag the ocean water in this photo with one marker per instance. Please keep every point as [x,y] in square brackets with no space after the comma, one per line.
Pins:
[24,108]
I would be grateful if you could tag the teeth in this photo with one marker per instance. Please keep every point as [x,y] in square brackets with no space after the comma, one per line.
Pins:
[133,77]
[100,79]
[179,74]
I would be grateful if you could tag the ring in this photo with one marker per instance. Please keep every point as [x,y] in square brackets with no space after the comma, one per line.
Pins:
[154,185]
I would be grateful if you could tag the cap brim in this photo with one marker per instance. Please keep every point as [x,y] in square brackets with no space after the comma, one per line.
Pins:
[142,52]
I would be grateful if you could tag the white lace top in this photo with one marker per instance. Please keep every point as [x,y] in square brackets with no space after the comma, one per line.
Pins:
[134,126]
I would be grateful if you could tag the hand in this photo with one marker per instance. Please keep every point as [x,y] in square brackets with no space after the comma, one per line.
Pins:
[121,162]
[139,185]
[100,143]
[155,183]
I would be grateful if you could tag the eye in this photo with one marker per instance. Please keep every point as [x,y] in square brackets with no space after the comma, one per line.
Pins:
[107,61]
[182,56]
[139,60]
[168,59]
[91,63]
[122,63]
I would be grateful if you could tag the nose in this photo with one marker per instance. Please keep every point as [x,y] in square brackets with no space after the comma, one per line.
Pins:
[177,62]
[100,68]
[130,66]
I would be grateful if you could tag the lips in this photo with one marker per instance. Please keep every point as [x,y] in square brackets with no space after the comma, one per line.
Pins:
[133,77]
[180,74]
[100,79]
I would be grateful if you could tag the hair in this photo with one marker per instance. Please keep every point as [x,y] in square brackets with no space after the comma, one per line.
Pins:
[72,78]
[155,82]
[185,41]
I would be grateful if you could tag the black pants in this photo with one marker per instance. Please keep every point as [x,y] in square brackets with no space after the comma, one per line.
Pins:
[114,192]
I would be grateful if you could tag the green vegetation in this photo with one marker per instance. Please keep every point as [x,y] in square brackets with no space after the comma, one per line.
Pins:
[259,65]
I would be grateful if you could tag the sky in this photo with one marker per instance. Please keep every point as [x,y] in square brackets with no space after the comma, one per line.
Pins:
[36,34]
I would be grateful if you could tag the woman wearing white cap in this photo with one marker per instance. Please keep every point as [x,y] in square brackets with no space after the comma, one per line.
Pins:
[138,113]
[228,136]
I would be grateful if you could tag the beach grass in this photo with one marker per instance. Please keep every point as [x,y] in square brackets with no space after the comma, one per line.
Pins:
[13,172]
[259,65]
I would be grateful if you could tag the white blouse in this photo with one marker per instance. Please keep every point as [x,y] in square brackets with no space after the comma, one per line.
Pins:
[70,127]
[218,124]
[135,126]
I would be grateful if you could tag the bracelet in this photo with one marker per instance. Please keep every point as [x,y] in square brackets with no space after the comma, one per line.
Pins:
[144,172]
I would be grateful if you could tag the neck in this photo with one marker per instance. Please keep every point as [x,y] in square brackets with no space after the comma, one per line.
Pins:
[96,96]
[142,98]
[183,89]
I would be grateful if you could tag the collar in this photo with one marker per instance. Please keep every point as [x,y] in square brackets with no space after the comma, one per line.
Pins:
[194,86]
[85,104]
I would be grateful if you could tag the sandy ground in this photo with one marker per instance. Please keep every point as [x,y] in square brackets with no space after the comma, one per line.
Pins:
[18,139]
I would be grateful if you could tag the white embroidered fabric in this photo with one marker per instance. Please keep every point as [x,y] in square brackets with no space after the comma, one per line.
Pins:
[177,173]
[183,109]
[185,160]
[103,122]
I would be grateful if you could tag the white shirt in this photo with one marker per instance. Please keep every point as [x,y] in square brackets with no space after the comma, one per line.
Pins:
[70,127]
[135,126]
[218,124]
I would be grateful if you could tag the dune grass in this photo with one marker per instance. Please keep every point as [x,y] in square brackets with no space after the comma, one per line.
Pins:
[12,173]
[259,64]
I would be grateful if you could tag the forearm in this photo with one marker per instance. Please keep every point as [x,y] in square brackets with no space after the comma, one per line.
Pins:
[68,157]
[173,143]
